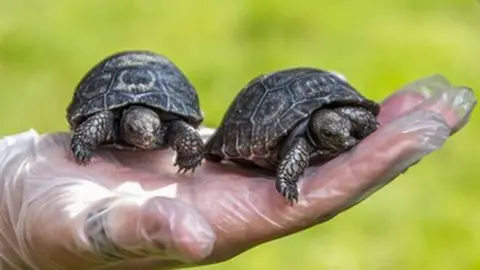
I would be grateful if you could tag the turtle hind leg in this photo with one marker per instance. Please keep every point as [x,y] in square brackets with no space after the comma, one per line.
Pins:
[93,132]
[188,144]
[291,167]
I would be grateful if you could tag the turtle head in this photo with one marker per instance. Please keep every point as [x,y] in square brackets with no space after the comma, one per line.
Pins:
[140,127]
[331,132]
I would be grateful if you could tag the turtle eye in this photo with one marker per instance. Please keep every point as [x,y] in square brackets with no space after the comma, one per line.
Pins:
[327,133]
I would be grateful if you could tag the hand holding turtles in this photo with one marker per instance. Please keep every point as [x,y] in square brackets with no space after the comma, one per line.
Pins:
[287,119]
[136,100]
[130,210]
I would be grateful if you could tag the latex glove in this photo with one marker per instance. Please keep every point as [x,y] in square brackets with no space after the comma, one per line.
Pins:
[132,211]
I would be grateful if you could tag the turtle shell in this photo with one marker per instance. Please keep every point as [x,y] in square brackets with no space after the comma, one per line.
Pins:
[270,106]
[135,77]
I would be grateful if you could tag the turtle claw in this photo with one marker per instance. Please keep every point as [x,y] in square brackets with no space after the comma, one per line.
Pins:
[187,164]
[289,192]
[183,170]
[81,153]
[180,171]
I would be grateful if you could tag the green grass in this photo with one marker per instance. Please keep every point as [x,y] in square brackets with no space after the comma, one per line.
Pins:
[424,220]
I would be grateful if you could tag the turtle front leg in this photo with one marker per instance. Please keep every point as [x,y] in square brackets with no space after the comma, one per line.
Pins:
[94,131]
[188,144]
[291,167]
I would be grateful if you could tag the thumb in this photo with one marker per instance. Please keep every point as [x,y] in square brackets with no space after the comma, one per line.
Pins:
[54,216]
[82,225]
[127,228]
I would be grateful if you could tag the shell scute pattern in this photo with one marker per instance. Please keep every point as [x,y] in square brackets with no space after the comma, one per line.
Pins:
[117,99]
[274,103]
[250,100]
[270,106]
[141,77]
[96,87]
[177,99]
[135,80]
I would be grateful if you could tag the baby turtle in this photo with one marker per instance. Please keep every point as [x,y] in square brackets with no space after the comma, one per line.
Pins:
[287,119]
[136,100]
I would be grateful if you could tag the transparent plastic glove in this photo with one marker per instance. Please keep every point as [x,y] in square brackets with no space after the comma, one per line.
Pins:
[132,211]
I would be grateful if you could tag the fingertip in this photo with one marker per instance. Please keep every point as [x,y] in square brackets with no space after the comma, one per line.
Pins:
[456,106]
[435,93]
[198,249]
[133,227]
[179,227]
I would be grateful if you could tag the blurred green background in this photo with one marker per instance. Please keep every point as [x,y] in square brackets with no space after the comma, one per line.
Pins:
[424,220]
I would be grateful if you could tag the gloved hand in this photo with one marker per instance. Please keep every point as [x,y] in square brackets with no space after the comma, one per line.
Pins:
[132,211]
